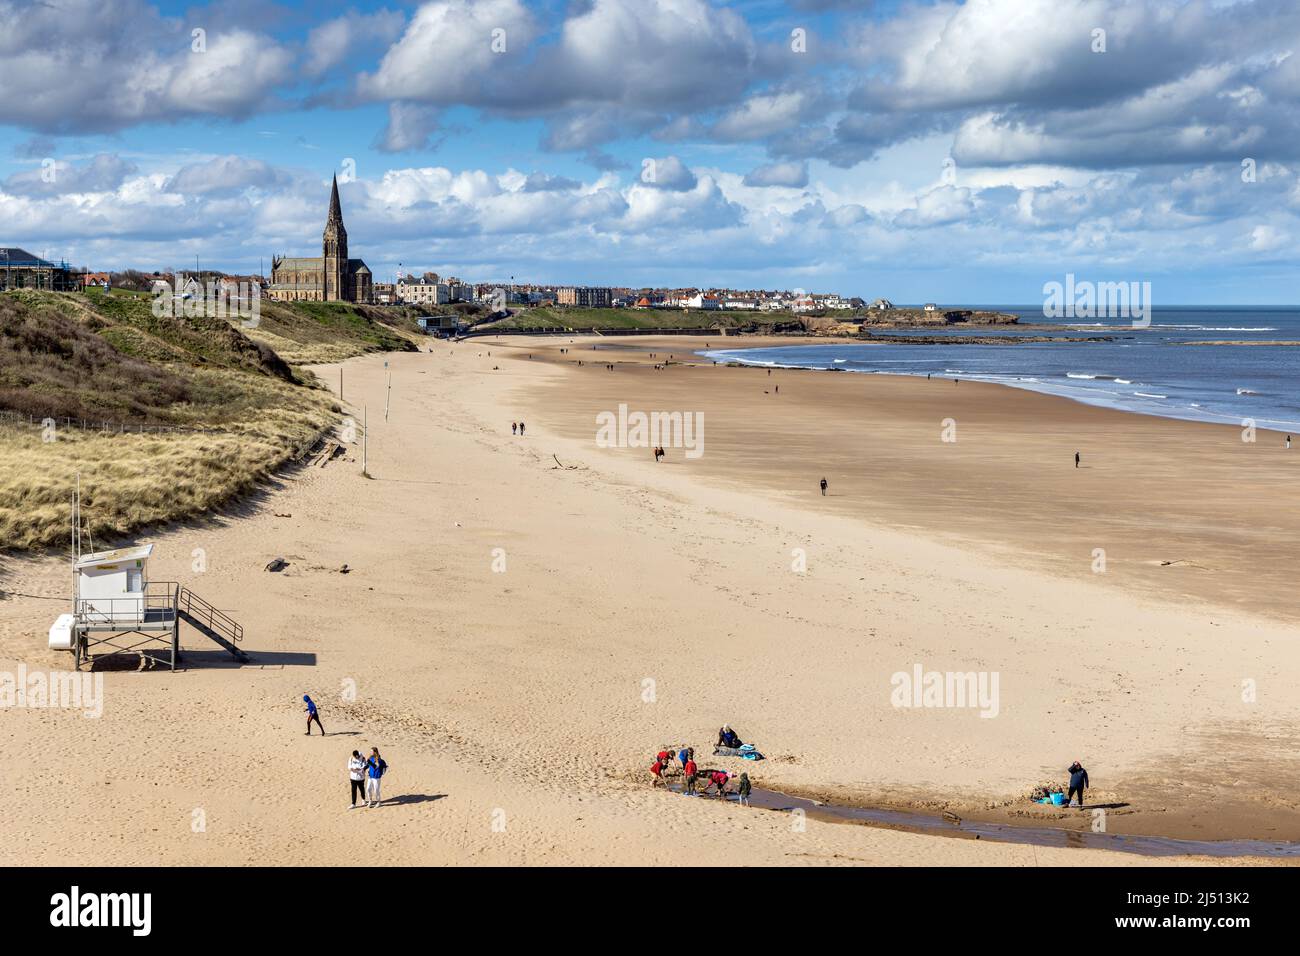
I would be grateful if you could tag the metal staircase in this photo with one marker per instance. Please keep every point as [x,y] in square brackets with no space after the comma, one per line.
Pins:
[210,622]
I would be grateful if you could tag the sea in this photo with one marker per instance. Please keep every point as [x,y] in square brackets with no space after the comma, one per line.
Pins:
[1150,371]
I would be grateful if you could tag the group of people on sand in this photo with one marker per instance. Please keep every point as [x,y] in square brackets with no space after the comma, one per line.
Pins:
[364,773]
[516,428]
[697,783]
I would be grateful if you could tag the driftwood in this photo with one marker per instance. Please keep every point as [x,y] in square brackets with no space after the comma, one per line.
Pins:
[331,451]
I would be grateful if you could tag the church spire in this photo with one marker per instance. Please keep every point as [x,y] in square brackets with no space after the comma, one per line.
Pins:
[336,210]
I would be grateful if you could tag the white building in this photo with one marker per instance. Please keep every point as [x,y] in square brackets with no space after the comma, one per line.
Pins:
[419,292]
[703,300]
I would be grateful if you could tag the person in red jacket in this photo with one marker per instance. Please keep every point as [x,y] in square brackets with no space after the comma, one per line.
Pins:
[690,770]
[656,773]
[719,779]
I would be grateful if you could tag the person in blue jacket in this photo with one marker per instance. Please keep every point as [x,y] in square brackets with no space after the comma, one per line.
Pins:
[1078,781]
[312,715]
[375,769]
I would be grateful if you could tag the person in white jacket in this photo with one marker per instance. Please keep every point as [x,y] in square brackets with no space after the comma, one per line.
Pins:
[357,776]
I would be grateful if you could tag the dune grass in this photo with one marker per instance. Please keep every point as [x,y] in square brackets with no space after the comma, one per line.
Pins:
[181,415]
[312,333]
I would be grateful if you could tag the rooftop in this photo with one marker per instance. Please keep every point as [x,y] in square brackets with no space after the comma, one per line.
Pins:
[137,553]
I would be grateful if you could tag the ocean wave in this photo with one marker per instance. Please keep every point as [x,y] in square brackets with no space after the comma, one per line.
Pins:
[1078,375]
[1246,391]
[1149,395]
[1215,328]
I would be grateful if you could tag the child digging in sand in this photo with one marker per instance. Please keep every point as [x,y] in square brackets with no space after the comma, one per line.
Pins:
[657,773]
[718,778]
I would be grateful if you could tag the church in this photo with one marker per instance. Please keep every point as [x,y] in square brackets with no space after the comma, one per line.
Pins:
[331,278]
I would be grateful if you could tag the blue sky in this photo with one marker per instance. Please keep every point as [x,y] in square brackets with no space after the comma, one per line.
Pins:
[919,151]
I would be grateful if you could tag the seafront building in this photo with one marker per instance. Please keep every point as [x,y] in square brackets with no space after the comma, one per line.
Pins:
[589,296]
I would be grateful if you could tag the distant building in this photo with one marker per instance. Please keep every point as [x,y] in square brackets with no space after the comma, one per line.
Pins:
[97,279]
[438,324]
[419,292]
[591,297]
[881,305]
[332,277]
[385,293]
[930,307]
[704,300]
[19,269]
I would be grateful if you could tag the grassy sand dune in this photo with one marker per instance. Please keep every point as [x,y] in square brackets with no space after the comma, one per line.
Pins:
[309,333]
[164,417]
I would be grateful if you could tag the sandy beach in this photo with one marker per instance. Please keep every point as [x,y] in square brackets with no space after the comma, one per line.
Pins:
[526,620]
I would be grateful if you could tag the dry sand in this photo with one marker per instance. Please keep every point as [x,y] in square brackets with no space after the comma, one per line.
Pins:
[646,604]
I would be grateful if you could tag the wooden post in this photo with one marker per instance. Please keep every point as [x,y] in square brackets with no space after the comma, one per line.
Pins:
[340,383]
[365,439]
[388,395]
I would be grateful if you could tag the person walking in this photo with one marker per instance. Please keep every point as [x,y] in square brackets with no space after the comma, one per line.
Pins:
[357,777]
[514,428]
[375,770]
[744,789]
[1288,442]
[521,429]
[824,486]
[312,715]
[1076,459]
[1078,782]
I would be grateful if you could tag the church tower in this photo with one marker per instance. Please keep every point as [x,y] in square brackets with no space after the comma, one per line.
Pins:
[336,250]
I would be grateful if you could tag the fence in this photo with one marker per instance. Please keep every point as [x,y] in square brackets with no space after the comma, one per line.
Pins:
[121,428]
[90,425]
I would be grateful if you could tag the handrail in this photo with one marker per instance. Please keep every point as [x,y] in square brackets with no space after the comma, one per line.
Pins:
[158,596]
[216,620]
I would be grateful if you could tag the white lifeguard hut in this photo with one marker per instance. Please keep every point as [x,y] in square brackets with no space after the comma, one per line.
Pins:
[111,584]
[115,604]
